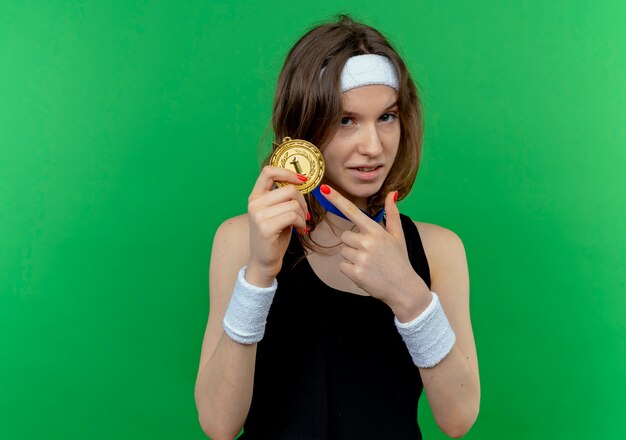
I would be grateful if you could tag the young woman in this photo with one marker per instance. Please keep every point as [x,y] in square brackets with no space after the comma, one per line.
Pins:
[331,311]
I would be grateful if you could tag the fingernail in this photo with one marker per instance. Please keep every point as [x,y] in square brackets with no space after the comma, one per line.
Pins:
[325,189]
[303,178]
[395,196]
[308,216]
[306,230]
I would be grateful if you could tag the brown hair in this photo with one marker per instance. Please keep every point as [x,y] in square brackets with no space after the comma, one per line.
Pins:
[310,109]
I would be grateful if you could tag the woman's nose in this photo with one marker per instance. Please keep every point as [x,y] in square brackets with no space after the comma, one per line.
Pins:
[370,143]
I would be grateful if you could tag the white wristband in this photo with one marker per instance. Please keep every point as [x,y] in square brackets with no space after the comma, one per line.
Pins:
[246,315]
[428,337]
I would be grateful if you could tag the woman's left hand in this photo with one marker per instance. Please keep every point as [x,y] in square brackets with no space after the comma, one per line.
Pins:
[376,257]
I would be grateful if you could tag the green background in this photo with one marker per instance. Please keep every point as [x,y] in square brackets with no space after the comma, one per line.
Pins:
[129,132]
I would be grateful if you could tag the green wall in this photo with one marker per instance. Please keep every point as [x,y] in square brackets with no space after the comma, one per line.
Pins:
[129,132]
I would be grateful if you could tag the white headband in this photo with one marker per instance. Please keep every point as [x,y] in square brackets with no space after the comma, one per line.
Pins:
[363,70]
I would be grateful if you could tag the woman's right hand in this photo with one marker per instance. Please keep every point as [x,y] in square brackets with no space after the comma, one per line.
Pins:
[271,215]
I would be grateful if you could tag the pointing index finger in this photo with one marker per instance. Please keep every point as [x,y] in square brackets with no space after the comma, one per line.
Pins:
[349,209]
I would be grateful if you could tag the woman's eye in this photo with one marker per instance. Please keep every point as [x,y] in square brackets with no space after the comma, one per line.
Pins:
[345,120]
[388,117]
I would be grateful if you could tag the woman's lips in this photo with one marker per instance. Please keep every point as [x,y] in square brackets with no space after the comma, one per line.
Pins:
[366,175]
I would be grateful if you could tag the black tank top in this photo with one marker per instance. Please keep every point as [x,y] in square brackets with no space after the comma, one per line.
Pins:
[332,364]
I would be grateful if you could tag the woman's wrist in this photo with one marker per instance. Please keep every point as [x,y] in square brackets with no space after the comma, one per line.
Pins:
[411,299]
[258,276]
[246,315]
[429,337]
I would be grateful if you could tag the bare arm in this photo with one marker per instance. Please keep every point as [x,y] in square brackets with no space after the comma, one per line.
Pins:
[453,385]
[223,390]
[224,384]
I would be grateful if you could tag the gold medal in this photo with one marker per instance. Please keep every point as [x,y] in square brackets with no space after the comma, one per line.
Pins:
[301,157]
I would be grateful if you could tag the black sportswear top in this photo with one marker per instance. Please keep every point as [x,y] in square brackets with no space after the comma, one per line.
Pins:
[332,365]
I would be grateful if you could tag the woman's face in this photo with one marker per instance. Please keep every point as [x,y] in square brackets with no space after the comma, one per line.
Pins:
[360,155]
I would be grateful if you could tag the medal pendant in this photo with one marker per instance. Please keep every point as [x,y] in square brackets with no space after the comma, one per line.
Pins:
[301,157]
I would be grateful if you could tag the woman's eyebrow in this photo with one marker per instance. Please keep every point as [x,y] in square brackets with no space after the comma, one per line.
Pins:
[394,104]
[351,113]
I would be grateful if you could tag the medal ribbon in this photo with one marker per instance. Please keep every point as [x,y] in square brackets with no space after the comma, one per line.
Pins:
[333,209]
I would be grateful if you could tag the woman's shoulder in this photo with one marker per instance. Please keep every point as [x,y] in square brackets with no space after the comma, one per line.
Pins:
[233,237]
[435,233]
[236,224]
[440,243]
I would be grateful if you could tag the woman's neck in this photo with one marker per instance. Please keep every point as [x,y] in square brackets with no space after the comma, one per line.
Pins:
[328,231]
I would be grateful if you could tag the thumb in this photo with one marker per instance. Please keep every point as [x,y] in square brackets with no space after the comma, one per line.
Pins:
[392,216]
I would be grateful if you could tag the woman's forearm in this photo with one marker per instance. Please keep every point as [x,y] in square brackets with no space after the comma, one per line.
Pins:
[453,384]
[223,389]
[453,390]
